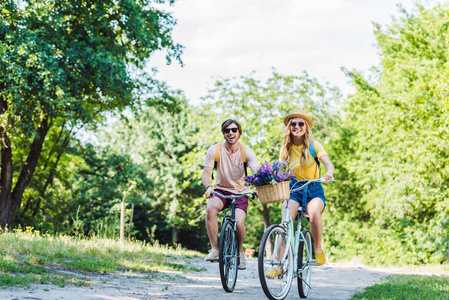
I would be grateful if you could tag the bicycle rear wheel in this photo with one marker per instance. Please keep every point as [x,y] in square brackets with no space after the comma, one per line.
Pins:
[304,270]
[272,248]
[228,256]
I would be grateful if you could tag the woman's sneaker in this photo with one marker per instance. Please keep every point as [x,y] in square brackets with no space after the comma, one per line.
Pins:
[242,261]
[212,256]
[273,273]
[319,258]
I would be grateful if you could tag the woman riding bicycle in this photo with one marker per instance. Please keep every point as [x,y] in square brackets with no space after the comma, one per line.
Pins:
[295,150]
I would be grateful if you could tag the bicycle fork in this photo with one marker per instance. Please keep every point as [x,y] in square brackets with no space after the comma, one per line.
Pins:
[299,237]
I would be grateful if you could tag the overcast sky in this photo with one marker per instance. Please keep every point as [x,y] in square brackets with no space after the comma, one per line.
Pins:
[231,38]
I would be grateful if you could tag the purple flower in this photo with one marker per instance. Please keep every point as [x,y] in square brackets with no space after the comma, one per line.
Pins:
[270,174]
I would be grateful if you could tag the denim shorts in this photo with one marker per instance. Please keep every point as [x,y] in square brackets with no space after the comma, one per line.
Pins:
[304,196]
[241,203]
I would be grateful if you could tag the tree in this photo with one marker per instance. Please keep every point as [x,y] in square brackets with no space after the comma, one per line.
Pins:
[397,125]
[63,63]
[160,141]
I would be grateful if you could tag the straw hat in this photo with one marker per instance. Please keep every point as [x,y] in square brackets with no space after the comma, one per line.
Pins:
[296,113]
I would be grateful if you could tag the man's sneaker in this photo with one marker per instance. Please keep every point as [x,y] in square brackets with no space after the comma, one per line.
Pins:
[242,261]
[212,256]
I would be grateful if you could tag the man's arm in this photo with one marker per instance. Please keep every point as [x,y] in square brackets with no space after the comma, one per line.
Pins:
[207,171]
[252,160]
[254,169]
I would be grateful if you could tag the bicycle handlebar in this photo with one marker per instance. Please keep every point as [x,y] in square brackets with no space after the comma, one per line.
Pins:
[307,182]
[233,196]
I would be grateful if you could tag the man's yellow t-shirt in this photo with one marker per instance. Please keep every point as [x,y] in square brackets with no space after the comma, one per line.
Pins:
[310,170]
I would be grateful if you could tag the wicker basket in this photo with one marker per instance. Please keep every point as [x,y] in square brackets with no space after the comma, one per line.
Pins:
[273,192]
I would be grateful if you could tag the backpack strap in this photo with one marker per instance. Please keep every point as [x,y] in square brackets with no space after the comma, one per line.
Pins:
[217,157]
[245,163]
[313,153]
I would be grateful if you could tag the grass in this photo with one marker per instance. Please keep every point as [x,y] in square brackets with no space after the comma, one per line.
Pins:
[408,287]
[28,257]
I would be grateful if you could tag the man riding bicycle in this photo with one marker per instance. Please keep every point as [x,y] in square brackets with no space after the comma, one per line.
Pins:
[229,157]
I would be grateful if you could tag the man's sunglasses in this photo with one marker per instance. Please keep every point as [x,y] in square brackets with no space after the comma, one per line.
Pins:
[228,130]
[300,124]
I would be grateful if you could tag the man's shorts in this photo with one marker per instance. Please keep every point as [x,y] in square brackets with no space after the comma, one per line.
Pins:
[241,203]
[304,196]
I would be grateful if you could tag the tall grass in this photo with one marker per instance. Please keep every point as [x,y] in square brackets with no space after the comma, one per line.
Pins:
[28,256]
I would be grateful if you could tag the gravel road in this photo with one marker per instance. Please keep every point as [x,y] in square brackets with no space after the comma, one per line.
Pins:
[330,281]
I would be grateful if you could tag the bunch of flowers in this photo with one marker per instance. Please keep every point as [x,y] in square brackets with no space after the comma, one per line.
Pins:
[270,174]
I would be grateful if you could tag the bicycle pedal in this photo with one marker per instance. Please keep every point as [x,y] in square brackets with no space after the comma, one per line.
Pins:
[213,260]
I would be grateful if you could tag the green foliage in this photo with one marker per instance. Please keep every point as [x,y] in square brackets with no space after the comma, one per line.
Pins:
[394,148]
[69,59]
[65,64]
[158,141]
[8,266]
[408,287]
[81,186]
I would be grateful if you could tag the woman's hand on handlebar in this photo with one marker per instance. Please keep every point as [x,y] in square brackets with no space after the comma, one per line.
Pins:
[328,177]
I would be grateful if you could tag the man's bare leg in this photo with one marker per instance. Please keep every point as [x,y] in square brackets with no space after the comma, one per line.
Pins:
[214,206]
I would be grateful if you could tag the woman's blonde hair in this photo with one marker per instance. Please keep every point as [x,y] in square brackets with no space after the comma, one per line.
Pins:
[288,143]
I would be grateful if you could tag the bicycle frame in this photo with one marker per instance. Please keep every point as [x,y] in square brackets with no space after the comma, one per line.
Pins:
[293,238]
[230,214]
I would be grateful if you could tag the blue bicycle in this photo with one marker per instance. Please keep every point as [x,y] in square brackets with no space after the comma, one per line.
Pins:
[228,245]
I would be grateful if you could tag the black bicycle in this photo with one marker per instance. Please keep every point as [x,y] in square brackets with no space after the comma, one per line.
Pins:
[228,245]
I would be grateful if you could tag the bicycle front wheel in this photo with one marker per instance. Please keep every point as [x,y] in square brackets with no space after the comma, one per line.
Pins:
[304,270]
[275,272]
[228,256]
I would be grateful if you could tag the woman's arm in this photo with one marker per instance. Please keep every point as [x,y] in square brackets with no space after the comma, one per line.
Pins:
[329,167]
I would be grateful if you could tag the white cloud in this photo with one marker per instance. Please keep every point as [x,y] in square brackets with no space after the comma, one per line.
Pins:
[235,37]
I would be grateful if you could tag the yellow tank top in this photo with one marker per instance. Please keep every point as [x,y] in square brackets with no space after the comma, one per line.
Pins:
[310,169]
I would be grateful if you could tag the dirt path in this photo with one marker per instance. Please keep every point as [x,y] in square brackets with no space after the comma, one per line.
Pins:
[331,281]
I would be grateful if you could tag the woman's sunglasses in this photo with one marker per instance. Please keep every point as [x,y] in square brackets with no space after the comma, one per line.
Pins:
[228,130]
[300,124]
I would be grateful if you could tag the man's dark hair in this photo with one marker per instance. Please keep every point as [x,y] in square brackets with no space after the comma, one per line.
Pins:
[229,122]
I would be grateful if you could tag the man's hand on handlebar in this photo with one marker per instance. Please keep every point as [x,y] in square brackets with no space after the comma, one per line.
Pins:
[208,193]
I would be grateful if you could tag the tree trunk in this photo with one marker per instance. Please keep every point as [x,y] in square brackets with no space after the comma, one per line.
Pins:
[130,227]
[49,180]
[174,235]
[266,216]
[6,175]
[10,198]
[265,211]
[122,221]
